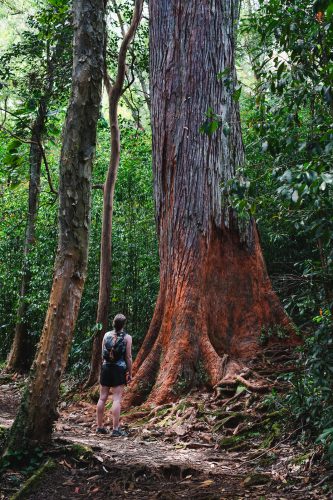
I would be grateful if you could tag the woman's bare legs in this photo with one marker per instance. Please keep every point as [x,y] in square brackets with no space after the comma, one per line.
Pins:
[117,393]
[103,396]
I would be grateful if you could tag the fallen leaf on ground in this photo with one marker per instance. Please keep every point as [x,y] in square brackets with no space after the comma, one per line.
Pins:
[66,464]
[206,483]
[93,478]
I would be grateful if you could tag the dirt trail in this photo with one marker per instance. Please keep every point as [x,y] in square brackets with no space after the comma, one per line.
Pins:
[156,463]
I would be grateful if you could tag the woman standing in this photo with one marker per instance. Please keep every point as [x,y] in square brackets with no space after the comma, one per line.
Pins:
[116,372]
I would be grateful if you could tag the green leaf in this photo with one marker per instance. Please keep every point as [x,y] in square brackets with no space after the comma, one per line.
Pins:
[328,178]
[287,176]
[237,93]
[280,70]
[226,130]
[209,127]
[225,72]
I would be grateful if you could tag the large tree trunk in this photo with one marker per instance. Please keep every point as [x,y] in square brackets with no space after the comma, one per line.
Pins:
[114,94]
[21,352]
[215,295]
[37,412]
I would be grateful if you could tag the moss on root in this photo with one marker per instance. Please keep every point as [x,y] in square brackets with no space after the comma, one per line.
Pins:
[233,443]
[80,451]
[29,485]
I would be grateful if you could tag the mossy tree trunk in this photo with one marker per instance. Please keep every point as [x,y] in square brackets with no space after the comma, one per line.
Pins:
[38,410]
[215,295]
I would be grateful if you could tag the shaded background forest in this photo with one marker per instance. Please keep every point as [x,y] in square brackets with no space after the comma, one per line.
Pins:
[285,71]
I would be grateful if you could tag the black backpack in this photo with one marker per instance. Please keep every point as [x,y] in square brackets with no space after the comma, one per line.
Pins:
[114,349]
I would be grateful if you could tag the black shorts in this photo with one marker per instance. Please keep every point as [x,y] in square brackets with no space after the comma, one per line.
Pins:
[112,375]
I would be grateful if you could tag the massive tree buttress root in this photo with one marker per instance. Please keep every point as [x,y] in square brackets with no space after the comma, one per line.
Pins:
[215,296]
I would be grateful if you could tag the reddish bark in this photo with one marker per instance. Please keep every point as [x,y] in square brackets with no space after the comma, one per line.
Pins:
[215,295]
[223,298]
[240,295]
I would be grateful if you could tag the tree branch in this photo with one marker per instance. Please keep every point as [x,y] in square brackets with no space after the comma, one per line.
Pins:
[120,18]
[6,111]
[118,85]
[132,80]
[127,38]
[48,174]
[18,138]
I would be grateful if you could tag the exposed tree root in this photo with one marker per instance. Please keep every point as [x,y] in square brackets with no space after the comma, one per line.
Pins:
[235,416]
[31,483]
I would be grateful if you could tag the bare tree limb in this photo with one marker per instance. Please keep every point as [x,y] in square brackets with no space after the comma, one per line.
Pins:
[9,132]
[6,111]
[139,75]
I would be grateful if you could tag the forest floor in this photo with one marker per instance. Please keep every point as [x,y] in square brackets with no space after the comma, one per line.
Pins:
[206,446]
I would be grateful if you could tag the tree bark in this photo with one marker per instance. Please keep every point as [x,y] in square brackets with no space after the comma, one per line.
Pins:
[38,410]
[114,94]
[22,349]
[215,295]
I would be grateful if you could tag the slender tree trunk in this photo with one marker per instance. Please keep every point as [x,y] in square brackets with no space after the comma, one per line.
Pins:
[114,93]
[136,70]
[215,295]
[22,349]
[38,410]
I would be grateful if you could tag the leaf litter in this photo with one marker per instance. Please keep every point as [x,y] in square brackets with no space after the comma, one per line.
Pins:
[223,444]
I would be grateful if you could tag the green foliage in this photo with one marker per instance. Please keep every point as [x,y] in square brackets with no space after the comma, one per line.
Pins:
[326,439]
[311,401]
[28,460]
[136,95]
[34,80]
[27,68]
[275,332]
[135,257]
[135,264]
[287,182]
[212,123]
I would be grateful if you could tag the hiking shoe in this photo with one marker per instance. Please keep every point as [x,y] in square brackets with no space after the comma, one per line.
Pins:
[101,430]
[118,433]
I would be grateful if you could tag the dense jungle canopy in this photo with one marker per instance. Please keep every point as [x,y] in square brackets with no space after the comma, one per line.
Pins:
[171,161]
